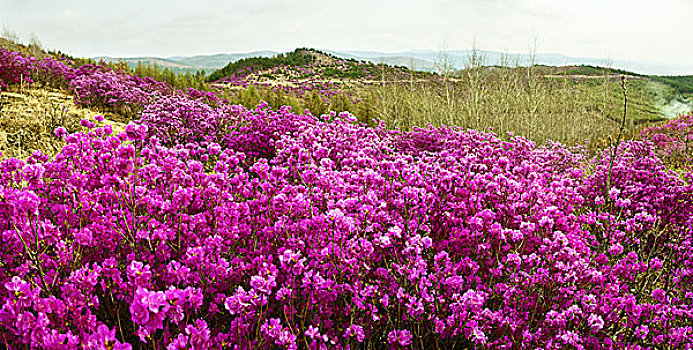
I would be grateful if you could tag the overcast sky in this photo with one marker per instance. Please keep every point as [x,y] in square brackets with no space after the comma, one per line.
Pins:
[653,30]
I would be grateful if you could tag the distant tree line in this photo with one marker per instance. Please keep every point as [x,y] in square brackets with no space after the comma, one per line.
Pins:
[682,83]
[178,80]
[299,57]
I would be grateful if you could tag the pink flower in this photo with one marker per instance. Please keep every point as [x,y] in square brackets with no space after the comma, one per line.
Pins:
[659,295]
[19,291]
[595,322]
[616,249]
[402,337]
[60,131]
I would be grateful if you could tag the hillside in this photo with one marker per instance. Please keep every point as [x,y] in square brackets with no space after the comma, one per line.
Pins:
[30,50]
[220,60]
[476,97]
[28,119]
[177,67]
[304,73]
[203,224]
[671,95]
[682,83]
[429,60]
[310,62]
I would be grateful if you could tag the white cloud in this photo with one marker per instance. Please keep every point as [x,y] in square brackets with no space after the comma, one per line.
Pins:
[637,29]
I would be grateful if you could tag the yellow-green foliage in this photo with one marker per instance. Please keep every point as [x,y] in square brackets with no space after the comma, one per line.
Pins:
[541,103]
[519,100]
[175,79]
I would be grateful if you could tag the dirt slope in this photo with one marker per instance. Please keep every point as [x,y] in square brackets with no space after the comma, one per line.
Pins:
[28,119]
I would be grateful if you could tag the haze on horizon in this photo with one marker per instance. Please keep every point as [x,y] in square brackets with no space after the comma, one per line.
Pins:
[636,30]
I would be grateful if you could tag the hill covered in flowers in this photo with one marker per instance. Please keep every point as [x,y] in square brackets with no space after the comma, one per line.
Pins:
[208,225]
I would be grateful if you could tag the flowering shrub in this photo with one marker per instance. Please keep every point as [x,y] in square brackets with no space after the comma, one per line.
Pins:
[16,68]
[114,89]
[674,140]
[346,235]
[92,85]
[211,226]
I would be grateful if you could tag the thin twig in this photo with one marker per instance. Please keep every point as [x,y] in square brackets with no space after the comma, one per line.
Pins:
[614,151]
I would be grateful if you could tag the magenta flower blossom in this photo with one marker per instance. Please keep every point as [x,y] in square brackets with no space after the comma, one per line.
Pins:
[616,249]
[20,292]
[139,273]
[219,226]
[60,131]
[659,295]
[311,332]
[656,264]
[104,339]
[149,309]
[595,322]
[401,337]
[355,331]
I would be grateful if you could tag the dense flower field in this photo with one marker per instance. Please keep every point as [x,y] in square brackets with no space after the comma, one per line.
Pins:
[673,140]
[206,225]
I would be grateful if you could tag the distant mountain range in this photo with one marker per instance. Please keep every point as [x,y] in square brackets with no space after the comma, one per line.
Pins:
[416,59]
[192,64]
[431,60]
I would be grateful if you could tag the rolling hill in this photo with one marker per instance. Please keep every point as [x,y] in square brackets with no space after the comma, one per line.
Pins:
[425,60]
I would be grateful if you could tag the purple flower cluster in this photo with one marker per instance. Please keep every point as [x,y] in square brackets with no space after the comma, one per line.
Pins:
[114,89]
[20,69]
[16,69]
[674,140]
[92,85]
[205,225]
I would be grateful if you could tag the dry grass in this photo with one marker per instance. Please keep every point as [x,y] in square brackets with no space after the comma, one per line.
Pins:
[540,103]
[28,119]
[519,100]
[33,50]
